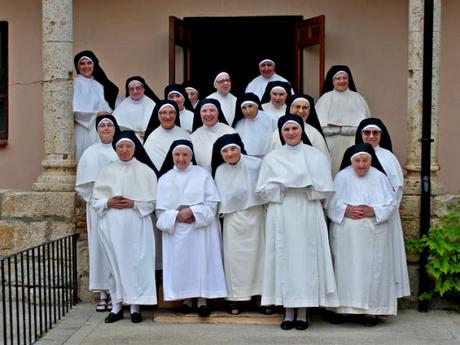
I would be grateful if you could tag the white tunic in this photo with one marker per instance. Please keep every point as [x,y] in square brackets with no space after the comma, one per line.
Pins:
[93,160]
[298,267]
[315,137]
[134,115]
[270,108]
[361,248]
[256,133]
[227,104]
[394,172]
[339,114]
[203,139]
[186,120]
[126,235]
[192,261]
[158,143]
[88,100]
[244,227]
[259,84]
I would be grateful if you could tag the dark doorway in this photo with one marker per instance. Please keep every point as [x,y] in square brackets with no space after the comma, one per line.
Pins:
[236,44]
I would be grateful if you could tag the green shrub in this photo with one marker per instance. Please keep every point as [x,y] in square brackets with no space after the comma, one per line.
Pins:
[442,244]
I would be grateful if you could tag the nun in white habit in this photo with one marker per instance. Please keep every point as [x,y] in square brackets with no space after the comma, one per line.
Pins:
[373,131]
[209,124]
[193,92]
[162,130]
[275,97]
[177,93]
[187,202]
[124,197]
[223,85]
[340,110]
[303,106]
[254,125]
[361,234]
[243,215]
[267,74]
[93,160]
[298,269]
[134,111]
[93,94]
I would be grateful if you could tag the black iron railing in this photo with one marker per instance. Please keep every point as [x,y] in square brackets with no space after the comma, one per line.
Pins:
[38,287]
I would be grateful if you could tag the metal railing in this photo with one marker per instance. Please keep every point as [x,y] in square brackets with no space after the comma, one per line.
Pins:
[38,287]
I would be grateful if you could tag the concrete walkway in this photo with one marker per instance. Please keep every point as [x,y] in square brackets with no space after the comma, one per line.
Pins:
[85,326]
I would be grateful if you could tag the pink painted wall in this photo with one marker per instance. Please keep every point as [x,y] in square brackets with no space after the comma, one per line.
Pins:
[369,36]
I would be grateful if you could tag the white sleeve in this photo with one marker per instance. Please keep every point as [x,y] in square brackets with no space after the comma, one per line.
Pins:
[204,213]
[85,190]
[144,207]
[167,220]
[100,205]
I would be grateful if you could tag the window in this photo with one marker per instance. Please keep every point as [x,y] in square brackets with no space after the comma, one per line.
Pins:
[3,83]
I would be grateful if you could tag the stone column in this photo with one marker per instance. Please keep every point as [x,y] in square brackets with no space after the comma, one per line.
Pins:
[57,61]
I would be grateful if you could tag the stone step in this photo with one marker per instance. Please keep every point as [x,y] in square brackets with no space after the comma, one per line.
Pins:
[218,316]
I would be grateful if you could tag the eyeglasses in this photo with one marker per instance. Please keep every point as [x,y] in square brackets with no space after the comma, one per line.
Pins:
[369,132]
[223,81]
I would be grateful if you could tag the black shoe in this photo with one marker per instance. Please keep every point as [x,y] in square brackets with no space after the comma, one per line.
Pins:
[301,325]
[369,320]
[336,319]
[287,325]
[184,309]
[204,311]
[112,317]
[234,309]
[266,310]
[136,317]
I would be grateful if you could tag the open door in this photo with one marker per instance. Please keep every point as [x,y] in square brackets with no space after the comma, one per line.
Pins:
[282,37]
[310,32]
[178,36]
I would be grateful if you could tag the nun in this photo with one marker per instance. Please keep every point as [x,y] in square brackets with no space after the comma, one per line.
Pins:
[134,111]
[187,201]
[267,74]
[177,93]
[304,106]
[209,124]
[243,215]
[93,94]
[298,271]
[254,125]
[162,130]
[124,197]
[340,110]
[92,161]
[193,92]
[361,236]
[223,85]
[373,131]
[275,97]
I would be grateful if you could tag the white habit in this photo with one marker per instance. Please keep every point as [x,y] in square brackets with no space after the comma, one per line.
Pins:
[362,248]
[394,172]
[227,104]
[298,267]
[203,139]
[186,120]
[244,227]
[159,141]
[88,100]
[277,112]
[256,133]
[134,115]
[192,261]
[315,137]
[339,114]
[259,84]
[95,157]
[126,235]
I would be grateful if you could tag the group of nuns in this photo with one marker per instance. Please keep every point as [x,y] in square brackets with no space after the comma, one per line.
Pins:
[231,197]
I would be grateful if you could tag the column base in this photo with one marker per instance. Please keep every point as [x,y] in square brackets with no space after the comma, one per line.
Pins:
[59,175]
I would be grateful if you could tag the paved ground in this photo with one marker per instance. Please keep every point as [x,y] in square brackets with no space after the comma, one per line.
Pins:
[84,326]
